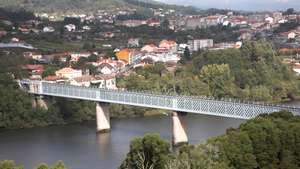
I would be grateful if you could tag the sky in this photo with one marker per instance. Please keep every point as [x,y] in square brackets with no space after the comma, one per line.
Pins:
[240,4]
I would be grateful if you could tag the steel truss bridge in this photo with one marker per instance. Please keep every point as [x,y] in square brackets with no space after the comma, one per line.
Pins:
[198,105]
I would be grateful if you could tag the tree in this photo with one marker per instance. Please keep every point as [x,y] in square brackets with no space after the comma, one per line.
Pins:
[72,20]
[49,71]
[151,149]
[92,58]
[186,56]
[165,24]
[88,46]
[42,166]
[59,165]
[219,80]
[7,164]
[289,11]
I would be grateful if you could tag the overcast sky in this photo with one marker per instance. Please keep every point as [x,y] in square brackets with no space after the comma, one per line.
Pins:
[240,4]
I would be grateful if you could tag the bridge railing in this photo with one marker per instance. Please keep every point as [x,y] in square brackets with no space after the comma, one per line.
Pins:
[201,105]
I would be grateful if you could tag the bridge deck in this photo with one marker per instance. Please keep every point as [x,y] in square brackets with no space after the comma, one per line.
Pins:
[167,102]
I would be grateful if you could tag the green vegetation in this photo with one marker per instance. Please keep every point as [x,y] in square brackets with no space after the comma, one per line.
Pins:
[60,6]
[266,142]
[285,27]
[7,164]
[254,72]
[16,109]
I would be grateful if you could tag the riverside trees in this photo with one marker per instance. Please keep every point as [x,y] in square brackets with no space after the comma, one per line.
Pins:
[267,142]
[8,164]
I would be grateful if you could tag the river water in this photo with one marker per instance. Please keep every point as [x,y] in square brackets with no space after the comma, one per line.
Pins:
[81,148]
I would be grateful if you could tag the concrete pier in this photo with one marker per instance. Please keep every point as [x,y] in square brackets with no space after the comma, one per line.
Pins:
[39,101]
[179,128]
[102,117]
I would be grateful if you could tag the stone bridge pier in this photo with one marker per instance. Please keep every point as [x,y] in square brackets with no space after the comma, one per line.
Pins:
[179,128]
[102,117]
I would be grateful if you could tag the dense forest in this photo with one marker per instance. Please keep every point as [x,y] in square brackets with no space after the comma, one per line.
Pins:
[266,142]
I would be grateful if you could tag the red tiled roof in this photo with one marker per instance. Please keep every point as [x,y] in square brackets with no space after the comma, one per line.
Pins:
[34,67]
[53,78]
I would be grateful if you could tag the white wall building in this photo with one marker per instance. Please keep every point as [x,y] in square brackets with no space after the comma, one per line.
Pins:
[68,73]
[197,44]
[99,81]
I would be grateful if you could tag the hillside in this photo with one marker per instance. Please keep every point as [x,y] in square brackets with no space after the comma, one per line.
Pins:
[84,5]
[62,5]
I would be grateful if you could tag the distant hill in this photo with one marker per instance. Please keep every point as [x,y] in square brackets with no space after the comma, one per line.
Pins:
[85,5]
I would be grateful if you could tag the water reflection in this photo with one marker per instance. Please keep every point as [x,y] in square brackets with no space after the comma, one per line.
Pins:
[103,143]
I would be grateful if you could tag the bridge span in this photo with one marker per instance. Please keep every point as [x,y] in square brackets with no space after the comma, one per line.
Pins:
[178,104]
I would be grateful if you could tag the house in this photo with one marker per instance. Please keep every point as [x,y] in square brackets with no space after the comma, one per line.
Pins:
[196,21]
[291,34]
[108,35]
[48,29]
[269,20]
[75,56]
[99,81]
[296,68]
[15,40]
[3,33]
[134,23]
[35,71]
[197,44]
[70,27]
[133,42]
[168,44]
[149,48]
[68,73]
[55,79]
[106,69]
[86,28]
[161,57]
[128,55]
[32,55]
[108,66]
[221,46]
[214,20]
[153,22]
[245,36]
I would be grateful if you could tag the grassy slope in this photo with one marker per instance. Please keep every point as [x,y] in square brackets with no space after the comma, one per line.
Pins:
[62,5]
[59,6]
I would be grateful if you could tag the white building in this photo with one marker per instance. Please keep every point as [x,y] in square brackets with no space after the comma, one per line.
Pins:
[162,57]
[197,44]
[76,56]
[269,20]
[296,69]
[70,27]
[68,73]
[48,29]
[99,81]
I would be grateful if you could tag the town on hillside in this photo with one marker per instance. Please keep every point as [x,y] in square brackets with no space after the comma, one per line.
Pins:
[95,49]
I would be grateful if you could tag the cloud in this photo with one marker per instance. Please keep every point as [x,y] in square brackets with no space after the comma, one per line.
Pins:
[240,4]
[282,1]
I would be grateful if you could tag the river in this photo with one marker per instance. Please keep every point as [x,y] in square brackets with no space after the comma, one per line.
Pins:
[81,148]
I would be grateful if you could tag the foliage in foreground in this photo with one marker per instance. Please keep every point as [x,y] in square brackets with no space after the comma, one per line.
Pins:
[267,142]
[8,164]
